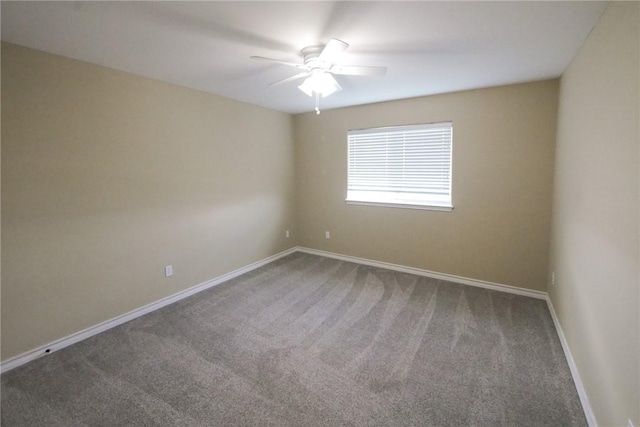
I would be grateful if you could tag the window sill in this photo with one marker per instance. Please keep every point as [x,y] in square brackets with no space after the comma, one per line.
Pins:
[401,205]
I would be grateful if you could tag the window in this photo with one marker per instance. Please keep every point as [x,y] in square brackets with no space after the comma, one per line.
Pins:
[401,166]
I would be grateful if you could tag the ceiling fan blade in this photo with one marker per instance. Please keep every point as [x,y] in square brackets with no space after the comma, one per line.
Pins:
[338,87]
[277,61]
[354,70]
[290,79]
[331,51]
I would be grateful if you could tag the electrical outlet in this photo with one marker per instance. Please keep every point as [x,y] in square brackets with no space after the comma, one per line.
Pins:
[168,271]
[327,235]
[286,234]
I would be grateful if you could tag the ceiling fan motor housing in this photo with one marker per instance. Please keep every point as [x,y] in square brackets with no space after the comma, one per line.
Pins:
[311,56]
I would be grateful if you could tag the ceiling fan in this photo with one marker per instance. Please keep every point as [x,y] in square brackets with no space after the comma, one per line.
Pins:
[319,67]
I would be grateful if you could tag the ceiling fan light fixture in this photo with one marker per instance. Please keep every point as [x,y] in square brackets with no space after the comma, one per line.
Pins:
[319,67]
[320,83]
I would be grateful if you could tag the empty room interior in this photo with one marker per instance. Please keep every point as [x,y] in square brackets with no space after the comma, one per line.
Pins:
[320,213]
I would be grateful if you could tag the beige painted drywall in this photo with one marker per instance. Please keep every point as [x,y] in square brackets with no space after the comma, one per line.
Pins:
[108,177]
[596,215]
[503,148]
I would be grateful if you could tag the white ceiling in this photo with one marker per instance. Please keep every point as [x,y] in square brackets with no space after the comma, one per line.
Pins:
[428,47]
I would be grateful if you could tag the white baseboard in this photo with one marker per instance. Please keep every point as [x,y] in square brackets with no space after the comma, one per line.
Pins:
[28,356]
[434,275]
[582,394]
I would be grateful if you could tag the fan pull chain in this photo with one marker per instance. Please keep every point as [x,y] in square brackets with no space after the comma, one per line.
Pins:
[317,103]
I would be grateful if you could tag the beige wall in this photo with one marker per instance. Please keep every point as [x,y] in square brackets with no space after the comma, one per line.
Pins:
[108,177]
[594,250]
[503,147]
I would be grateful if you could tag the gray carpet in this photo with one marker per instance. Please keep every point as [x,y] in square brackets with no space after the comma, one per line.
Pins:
[311,341]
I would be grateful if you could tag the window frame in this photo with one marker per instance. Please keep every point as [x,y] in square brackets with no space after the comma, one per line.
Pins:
[406,201]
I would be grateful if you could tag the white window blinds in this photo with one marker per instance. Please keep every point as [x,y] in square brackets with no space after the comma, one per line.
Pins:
[402,165]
